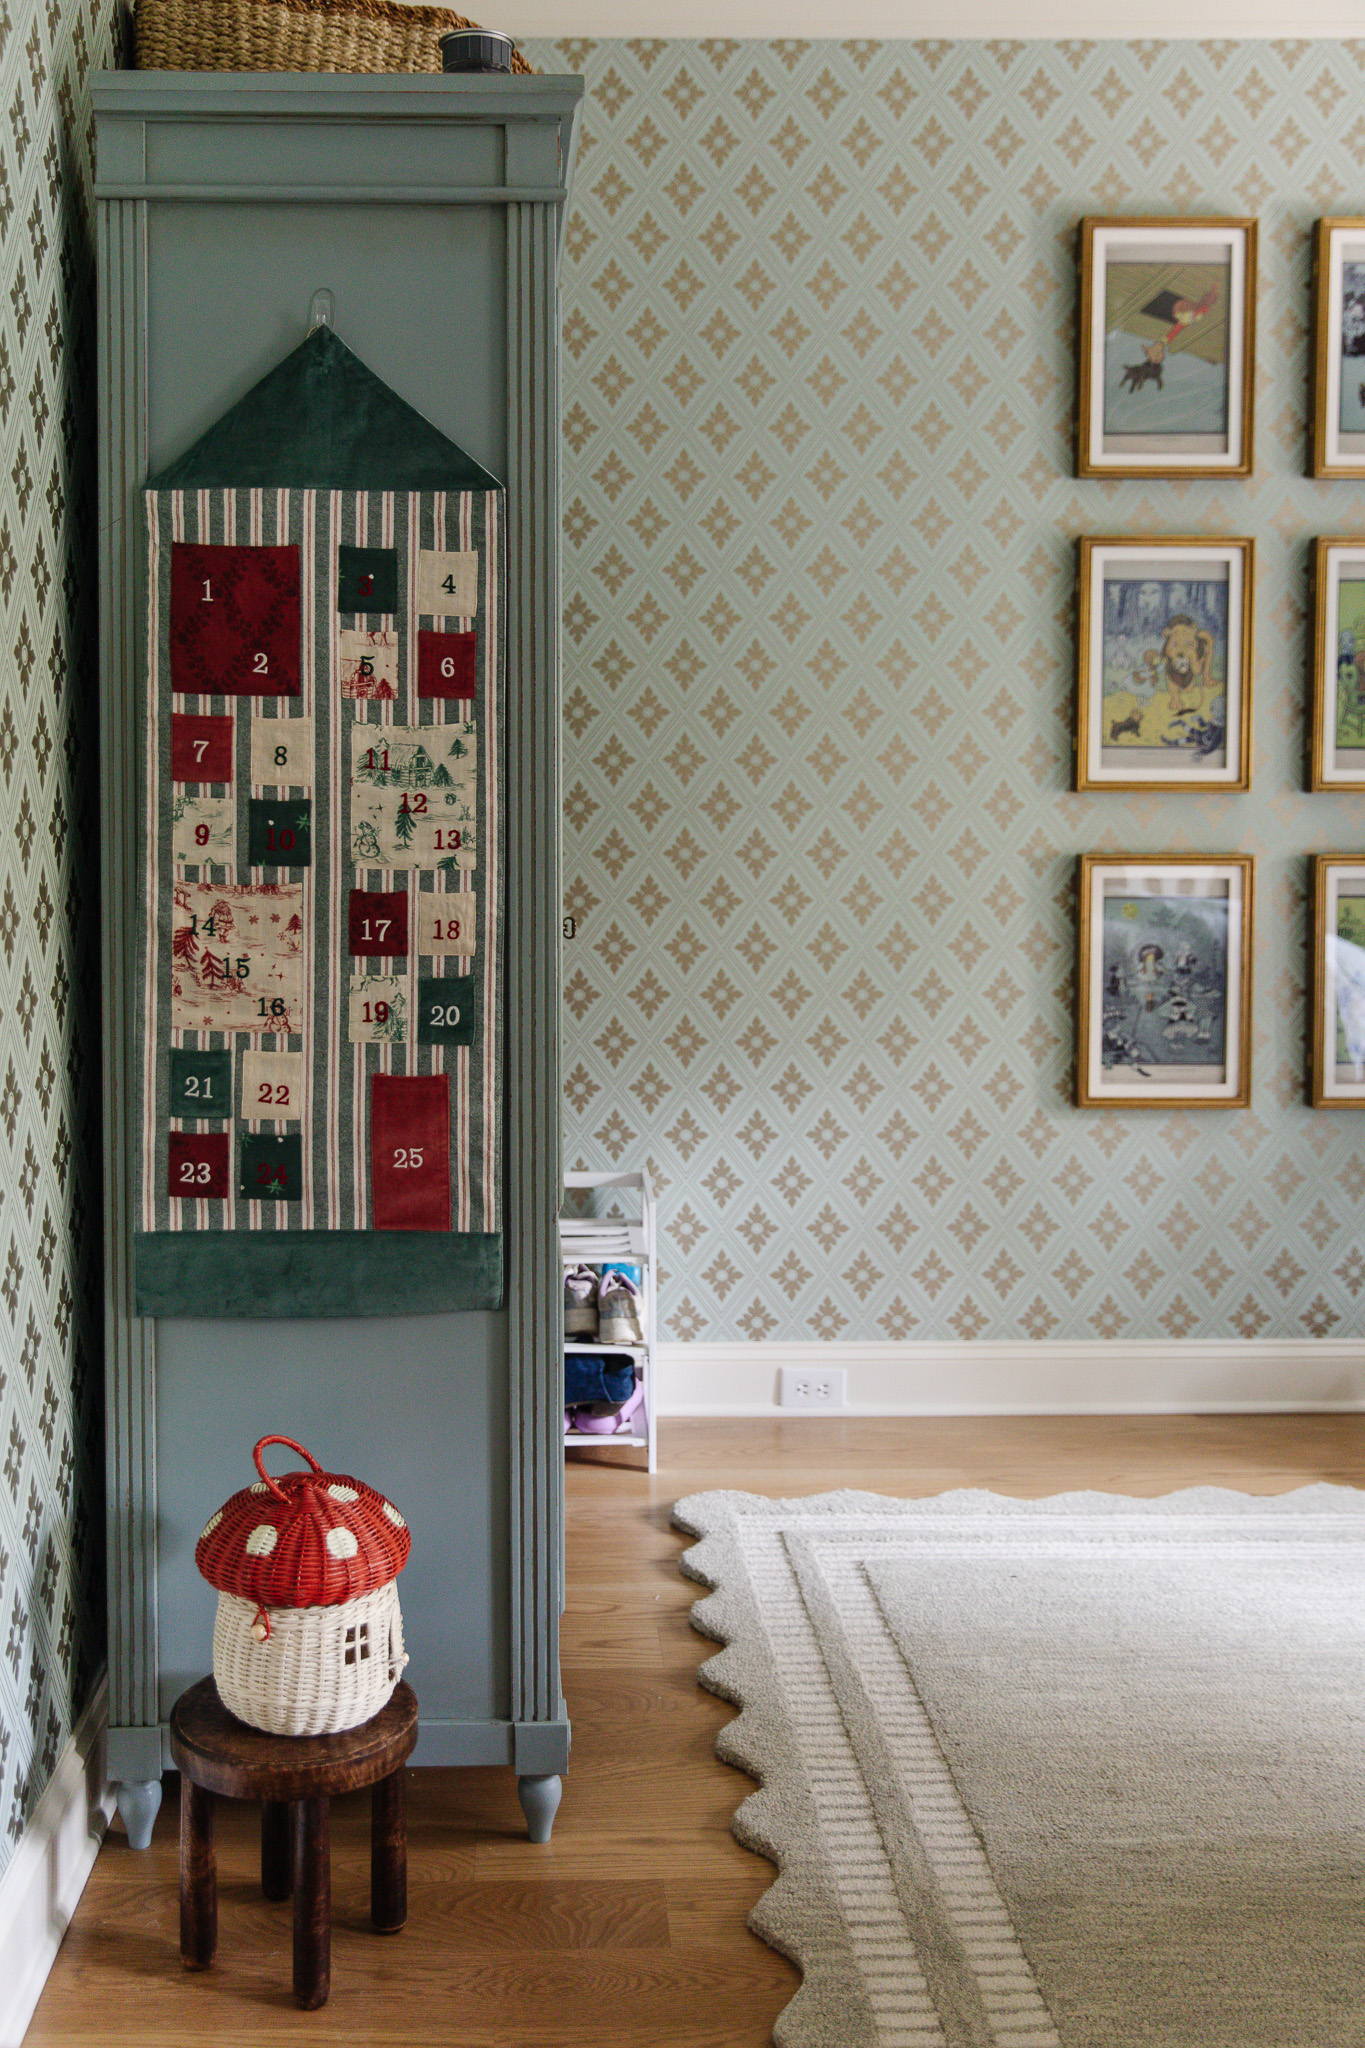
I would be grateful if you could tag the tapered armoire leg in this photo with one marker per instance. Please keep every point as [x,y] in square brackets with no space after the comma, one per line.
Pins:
[277,1849]
[312,1903]
[198,1878]
[540,1799]
[388,1854]
[139,1805]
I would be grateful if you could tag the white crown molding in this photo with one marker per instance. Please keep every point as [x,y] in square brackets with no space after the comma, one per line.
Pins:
[1023,1379]
[44,1878]
[1047,20]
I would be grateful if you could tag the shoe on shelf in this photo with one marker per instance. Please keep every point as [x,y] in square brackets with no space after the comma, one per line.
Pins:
[580,1304]
[585,1423]
[625,1418]
[602,1418]
[618,1309]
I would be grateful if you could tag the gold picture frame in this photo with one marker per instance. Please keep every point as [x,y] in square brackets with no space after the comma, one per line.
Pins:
[1161,623]
[1163,980]
[1337,446]
[1336,1080]
[1336,729]
[1166,346]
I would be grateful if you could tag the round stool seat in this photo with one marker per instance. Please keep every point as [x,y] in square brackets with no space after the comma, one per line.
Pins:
[223,1755]
[294,1777]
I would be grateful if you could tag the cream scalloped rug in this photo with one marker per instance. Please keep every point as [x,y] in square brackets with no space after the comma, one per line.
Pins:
[1086,1772]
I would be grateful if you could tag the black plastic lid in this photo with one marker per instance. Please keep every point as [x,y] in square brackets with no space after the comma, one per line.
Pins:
[476,49]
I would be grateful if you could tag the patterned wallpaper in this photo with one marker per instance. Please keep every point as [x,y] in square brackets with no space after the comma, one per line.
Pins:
[818,550]
[51,1455]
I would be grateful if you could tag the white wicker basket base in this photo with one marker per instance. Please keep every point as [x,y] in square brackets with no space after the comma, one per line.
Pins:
[321,1669]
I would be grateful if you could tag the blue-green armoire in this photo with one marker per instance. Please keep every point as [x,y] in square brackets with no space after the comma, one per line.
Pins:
[430,211]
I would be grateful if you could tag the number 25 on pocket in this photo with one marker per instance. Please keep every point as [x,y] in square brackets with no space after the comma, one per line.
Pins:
[410,1151]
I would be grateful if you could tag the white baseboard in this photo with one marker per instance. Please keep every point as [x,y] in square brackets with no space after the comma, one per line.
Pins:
[44,1878]
[1023,1379]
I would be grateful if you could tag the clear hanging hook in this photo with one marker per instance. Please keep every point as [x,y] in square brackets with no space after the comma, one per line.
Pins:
[321,311]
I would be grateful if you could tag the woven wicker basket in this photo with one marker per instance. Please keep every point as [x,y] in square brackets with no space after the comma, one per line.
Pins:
[308,1637]
[321,1669]
[292,35]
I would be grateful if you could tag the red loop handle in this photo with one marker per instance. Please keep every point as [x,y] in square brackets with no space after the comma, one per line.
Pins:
[289,1443]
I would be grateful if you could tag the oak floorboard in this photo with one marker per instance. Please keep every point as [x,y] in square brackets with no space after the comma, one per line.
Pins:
[540,1914]
[627,1929]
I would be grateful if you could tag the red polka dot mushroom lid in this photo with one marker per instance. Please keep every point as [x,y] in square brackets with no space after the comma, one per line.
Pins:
[306,1539]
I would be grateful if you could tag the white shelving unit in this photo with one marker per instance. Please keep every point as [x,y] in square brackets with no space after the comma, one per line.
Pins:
[598,1240]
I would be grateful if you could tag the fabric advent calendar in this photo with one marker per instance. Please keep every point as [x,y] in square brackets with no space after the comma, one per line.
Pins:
[321,1007]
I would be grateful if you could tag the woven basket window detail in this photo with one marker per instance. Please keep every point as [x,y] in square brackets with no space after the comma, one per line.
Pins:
[318,1671]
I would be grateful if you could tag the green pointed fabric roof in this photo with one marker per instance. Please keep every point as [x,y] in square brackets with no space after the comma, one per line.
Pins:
[322,420]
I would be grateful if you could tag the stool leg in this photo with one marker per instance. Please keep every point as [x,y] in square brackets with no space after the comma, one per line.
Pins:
[198,1877]
[312,1903]
[388,1854]
[277,1875]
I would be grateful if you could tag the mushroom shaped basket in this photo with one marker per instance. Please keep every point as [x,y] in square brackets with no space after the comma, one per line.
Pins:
[308,1637]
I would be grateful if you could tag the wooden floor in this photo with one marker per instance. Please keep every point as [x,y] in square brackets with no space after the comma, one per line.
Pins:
[629,1926]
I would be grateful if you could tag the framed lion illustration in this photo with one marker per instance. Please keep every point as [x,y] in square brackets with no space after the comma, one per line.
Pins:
[1163,664]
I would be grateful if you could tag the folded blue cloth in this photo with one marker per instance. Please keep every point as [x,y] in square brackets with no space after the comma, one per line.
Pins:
[588,1376]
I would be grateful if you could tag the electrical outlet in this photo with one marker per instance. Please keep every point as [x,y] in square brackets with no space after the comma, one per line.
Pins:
[801,1386]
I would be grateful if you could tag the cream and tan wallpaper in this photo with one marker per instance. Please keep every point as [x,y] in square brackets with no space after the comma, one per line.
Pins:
[818,541]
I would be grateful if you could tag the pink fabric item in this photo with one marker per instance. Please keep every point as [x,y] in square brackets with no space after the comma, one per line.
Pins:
[607,1425]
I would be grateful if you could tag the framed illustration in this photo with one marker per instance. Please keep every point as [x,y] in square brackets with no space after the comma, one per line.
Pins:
[1336,1042]
[1338,443]
[1163,663]
[1164,980]
[1336,745]
[1167,347]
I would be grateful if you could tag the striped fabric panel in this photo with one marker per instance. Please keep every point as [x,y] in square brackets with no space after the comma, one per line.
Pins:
[334,1110]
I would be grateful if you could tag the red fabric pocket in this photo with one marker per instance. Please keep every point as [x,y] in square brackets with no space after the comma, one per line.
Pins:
[199,1165]
[445,664]
[201,748]
[410,1151]
[377,924]
[236,622]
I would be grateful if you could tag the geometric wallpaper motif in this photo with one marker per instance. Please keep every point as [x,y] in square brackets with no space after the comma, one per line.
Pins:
[51,1456]
[819,527]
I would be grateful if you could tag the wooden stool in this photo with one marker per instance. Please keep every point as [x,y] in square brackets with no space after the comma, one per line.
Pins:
[218,1755]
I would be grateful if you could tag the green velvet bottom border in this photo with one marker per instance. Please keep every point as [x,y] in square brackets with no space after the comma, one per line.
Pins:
[314,1272]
